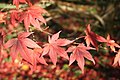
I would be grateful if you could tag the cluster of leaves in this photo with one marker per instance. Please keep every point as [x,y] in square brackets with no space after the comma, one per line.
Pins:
[31,53]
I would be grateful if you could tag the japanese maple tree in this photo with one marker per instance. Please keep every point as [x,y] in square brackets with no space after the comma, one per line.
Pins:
[31,53]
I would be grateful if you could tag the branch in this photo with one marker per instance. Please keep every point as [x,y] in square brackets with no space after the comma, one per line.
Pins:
[10,6]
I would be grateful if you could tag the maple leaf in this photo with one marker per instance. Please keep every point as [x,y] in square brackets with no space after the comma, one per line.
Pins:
[78,54]
[111,43]
[117,58]
[14,17]
[21,45]
[53,48]
[90,37]
[33,15]
[38,53]
[100,38]
[17,2]
[36,57]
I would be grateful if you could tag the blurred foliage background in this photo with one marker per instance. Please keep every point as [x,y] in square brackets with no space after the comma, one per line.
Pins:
[72,16]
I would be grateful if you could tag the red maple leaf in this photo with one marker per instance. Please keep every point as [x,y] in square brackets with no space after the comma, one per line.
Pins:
[78,54]
[90,37]
[33,15]
[21,45]
[117,58]
[35,56]
[17,2]
[14,17]
[109,42]
[38,53]
[53,48]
